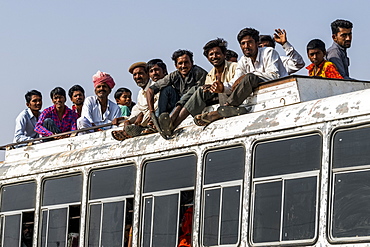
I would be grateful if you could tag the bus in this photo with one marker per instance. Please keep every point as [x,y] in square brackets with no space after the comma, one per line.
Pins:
[295,171]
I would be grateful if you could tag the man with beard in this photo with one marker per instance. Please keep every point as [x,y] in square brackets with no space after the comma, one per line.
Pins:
[138,123]
[257,65]
[98,109]
[337,53]
[27,119]
[77,95]
[223,71]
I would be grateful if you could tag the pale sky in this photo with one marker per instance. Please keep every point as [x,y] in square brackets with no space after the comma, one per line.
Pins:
[45,44]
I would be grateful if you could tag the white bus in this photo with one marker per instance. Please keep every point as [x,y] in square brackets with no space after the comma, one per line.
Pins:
[293,172]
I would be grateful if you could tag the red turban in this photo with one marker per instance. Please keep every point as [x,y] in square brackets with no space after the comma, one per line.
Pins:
[101,77]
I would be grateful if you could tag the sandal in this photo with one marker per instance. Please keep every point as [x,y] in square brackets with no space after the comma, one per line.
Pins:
[134,130]
[231,111]
[118,135]
[156,125]
[165,123]
[200,120]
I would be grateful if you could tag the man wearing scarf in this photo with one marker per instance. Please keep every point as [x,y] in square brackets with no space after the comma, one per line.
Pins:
[98,109]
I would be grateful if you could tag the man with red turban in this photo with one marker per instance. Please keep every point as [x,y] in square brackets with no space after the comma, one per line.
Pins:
[98,109]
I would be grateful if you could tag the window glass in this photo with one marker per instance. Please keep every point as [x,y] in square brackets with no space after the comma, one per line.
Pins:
[18,196]
[57,227]
[94,225]
[12,230]
[299,208]
[351,211]
[44,226]
[62,190]
[267,212]
[118,181]
[288,156]
[112,227]
[169,174]
[211,216]
[351,148]
[224,165]
[165,223]
[147,226]
[230,215]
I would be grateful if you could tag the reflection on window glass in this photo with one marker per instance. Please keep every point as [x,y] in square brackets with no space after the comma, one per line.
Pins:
[147,224]
[62,190]
[57,227]
[12,230]
[112,227]
[351,211]
[18,197]
[117,181]
[267,212]
[299,209]
[288,156]
[351,148]
[165,220]
[224,165]
[211,216]
[230,215]
[94,225]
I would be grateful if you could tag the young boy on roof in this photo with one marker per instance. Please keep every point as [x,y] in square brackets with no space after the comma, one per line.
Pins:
[124,101]
[320,67]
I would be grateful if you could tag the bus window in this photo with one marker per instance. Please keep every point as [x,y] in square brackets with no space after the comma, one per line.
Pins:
[285,190]
[17,214]
[350,202]
[222,183]
[168,193]
[61,202]
[111,206]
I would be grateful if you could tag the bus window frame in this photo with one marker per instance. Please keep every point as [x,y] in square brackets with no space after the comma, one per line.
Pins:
[154,194]
[20,212]
[331,183]
[221,185]
[47,208]
[284,177]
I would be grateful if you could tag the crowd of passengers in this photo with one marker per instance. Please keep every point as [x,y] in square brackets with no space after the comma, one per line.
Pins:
[165,100]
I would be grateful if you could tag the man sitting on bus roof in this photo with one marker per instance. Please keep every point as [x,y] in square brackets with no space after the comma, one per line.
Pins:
[177,87]
[77,95]
[337,53]
[223,71]
[26,120]
[320,67]
[138,123]
[257,65]
[57,118]
[292,60]
[231,56]
[98,109]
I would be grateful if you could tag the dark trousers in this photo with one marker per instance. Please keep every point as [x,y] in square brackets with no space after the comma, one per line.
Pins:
[168,98]
[50,125]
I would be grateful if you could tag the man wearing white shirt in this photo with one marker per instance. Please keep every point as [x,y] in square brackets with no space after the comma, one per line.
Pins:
[98,109]
[140,115]
[292,60]
[257,65]
[27,119]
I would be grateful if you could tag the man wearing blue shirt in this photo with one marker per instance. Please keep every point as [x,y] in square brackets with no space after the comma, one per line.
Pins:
[26,120]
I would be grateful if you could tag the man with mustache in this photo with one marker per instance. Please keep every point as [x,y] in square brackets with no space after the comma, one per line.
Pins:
[98,109]
[77,95]
[138,123]
[257,65]
[337,53]
[223,71]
